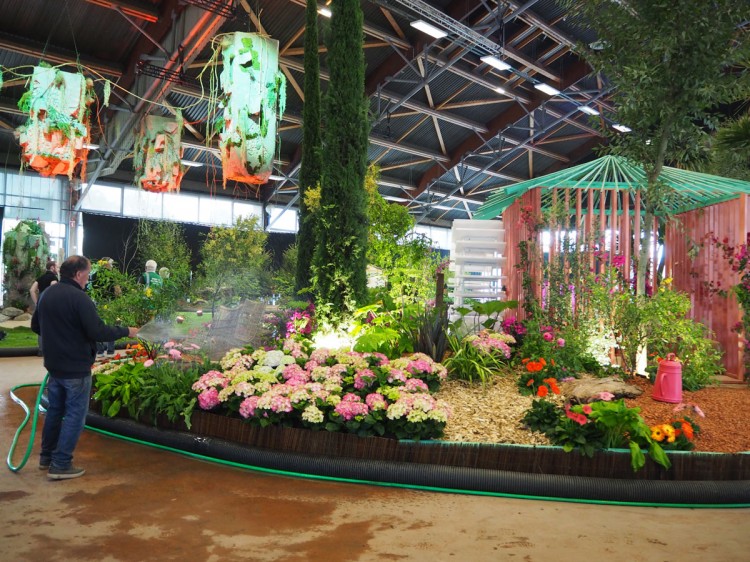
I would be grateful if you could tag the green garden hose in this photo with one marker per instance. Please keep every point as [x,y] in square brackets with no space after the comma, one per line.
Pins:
[17,400]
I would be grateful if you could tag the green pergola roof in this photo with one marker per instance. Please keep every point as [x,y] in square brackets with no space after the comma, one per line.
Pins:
[692,190]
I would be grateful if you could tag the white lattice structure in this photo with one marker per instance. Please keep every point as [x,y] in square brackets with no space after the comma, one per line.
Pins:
[477,261]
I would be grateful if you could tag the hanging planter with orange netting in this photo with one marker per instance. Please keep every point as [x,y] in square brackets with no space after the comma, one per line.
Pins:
[54,139]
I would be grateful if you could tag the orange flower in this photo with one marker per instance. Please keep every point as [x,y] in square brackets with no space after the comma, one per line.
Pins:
[542,361]
[525,360]
[553,362]
[529,382]
[687,429]
[542,391]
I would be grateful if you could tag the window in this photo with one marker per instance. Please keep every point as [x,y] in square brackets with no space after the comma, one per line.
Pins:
[140,203]
[103,198]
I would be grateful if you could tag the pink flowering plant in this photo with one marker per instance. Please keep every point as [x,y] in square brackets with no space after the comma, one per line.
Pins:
[479,356]
[326,389]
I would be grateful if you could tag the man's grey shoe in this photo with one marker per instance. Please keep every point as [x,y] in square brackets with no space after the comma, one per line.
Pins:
[65,473]
[43,465]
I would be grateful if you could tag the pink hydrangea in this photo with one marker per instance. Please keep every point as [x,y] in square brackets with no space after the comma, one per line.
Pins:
[416,385]
[548,336]
[294,371]
[376,401]
[208,399]
[560,342]
[420,365]
[281,404]
[363,378]
[247,408]
[351,406]
[397,375]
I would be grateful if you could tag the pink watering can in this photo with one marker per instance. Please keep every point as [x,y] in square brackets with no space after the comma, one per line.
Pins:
[668,385]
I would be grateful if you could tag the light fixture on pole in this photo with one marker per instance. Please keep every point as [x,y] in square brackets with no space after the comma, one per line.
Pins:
[429,29]
[621,128]
[495,62]
[191,163]
[325,12]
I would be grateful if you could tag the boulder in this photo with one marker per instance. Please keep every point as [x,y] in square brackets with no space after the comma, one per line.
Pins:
[4,318]
[587,390]
[11,311]
[22,317]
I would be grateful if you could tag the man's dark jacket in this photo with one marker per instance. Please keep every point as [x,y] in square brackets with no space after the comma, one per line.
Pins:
[67,320]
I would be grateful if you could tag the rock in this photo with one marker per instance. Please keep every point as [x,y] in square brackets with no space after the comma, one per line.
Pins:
[587,390]
[22,317]
[4,318]
[11,311]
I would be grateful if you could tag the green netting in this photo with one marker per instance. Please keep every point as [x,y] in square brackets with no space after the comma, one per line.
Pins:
[692,190]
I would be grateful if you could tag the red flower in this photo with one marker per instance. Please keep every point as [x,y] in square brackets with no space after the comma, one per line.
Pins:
[542,391]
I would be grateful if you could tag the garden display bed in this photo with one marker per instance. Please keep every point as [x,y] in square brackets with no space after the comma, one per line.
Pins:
[505,469]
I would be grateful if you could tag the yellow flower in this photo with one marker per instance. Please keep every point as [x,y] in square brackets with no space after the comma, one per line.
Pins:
[667,281]
[149,292]
[669,432]
[656,433]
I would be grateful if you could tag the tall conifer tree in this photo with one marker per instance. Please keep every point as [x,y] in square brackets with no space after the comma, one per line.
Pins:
[340,256]
[310,169]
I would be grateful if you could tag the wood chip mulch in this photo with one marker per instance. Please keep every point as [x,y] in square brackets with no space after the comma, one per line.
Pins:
[492,414]
[726,427]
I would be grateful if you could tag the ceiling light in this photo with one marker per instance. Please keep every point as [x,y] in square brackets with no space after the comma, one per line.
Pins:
[495,62]
[547,89]
[588,110]
[429,29]
[274,177]
[500,90]
[325,12]
[90,146]
[191,163]
[621,128]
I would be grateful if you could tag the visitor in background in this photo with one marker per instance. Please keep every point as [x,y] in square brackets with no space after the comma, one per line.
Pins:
[68,322]
[150,278]
[43,282]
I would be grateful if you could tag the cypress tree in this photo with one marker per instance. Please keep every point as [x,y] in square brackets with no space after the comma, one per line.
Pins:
[340,256]
[310,168]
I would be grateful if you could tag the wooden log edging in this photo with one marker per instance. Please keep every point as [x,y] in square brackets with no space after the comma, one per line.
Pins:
[552,460]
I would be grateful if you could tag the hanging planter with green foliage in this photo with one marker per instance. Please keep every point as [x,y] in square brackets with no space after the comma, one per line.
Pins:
[158,154]
[254,96]
[54,139]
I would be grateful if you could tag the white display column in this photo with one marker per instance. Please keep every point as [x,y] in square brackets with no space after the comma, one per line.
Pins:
[477,262]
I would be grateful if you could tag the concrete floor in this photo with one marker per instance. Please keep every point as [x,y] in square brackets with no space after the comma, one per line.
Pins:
[136,503]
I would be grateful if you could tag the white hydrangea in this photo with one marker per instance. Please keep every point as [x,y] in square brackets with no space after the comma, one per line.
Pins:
[273,358]
[312,414]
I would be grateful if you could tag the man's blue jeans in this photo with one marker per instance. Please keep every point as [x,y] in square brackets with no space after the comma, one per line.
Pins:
[102,347]
[66,416]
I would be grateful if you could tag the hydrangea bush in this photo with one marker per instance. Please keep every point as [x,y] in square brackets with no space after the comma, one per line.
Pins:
[361,393]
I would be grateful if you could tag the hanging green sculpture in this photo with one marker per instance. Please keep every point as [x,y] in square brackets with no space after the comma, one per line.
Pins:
[25,253]
[55,138]
[157,160]
[254,96]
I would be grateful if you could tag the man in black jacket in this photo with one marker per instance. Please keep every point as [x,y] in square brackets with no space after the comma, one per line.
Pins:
[67,320]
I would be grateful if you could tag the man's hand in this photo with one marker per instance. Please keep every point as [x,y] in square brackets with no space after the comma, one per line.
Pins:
[132,332]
